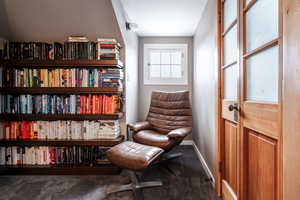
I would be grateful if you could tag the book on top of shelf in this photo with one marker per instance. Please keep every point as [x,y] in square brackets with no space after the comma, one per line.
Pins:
[77,39]
[107,40]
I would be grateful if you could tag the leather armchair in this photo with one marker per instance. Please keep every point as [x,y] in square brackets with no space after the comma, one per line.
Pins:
[168,122]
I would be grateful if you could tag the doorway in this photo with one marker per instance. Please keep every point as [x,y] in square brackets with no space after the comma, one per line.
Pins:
[250,75]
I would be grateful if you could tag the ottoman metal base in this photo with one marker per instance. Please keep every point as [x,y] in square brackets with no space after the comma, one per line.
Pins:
[135,186]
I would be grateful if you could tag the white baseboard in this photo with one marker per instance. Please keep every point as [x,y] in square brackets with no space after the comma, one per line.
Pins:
[205,166]
[187,142]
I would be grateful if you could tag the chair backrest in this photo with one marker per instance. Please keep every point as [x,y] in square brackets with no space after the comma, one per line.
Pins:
[169,111]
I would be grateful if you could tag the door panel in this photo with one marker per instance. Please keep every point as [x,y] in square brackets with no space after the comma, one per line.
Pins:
[231,82]
[230,46]
[230,157]
[230,75]
[262,118]
[230,12]
[262,76]
[261,167]
[261,23]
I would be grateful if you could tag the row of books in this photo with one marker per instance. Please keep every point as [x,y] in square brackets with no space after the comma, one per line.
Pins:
[76,47]
[45,155]
[73,77]
[60,130]
[60,104]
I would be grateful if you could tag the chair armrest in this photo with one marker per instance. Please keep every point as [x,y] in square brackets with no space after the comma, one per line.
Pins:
[179,133]
[138,126]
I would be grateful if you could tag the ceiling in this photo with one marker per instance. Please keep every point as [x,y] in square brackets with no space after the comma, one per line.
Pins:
[165,17]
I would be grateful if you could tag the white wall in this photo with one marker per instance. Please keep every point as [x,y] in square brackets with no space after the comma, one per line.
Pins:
[131,63]
[146,90]
[204,88]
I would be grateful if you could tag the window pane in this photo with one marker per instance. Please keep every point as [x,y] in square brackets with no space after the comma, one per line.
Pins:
[165,71]
[262,23]
[165,58]
[262,76]
[176,57]
[155,57]
[230,12]
[230,82]
[176,71]
[230,46]
[154,71]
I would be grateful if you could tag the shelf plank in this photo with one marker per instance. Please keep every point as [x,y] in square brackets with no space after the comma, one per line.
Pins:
[61,90]
[51,117]
[62,63]
[100,142]
[103,169]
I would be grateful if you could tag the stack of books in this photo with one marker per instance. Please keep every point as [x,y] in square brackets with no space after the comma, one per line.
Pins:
[74,77]
[109,129]
[60,130]
[112,78]
[108,49]
[48,155]
[79,47]
[59,104]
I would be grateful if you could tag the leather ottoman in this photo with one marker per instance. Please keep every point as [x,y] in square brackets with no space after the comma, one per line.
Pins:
[133,156]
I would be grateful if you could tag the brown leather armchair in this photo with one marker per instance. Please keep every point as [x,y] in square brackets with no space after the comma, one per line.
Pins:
[168,122]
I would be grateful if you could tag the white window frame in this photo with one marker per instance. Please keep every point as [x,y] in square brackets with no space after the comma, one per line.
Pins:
[165,81]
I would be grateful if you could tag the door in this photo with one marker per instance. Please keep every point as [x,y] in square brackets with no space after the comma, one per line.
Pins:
[251,99]
[260,99]
[230,99]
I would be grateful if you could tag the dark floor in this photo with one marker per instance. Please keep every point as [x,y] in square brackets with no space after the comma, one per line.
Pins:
[190,183]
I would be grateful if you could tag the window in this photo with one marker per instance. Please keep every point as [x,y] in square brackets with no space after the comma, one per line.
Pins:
[165,64]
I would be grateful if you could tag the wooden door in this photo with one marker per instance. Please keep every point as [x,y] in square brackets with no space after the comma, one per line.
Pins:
[230,99]
[251,99]
[260,51]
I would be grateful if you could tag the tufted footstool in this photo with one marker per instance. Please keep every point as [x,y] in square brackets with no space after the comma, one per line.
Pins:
[134,157]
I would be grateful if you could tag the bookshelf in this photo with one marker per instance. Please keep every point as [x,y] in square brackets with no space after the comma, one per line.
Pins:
[99,167]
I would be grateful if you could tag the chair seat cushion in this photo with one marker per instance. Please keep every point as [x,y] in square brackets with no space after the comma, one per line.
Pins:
[133,156]
[153,138]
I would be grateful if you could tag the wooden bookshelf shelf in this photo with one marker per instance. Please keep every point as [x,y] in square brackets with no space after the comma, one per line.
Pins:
[61,90]
[61,63]
[103,169]
[100,142]
[50,117]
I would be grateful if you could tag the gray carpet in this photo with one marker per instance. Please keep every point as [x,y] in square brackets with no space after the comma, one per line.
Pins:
[190,183]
